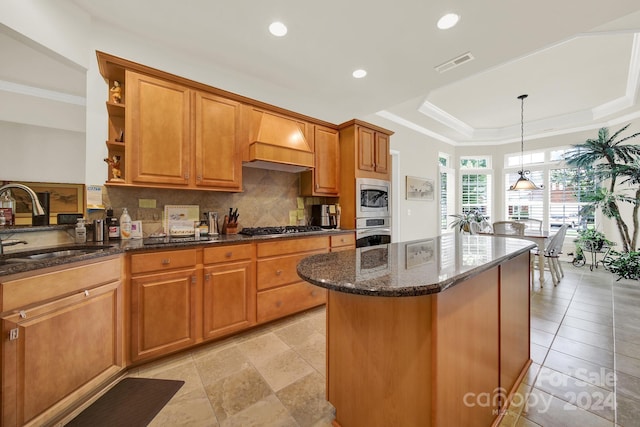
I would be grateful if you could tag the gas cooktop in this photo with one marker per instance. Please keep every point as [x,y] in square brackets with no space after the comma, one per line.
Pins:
[288,229]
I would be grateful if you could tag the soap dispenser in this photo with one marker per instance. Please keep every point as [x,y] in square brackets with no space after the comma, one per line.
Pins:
[81,231]
[125,225]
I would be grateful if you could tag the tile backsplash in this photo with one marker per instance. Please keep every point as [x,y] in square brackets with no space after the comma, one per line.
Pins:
[267,199]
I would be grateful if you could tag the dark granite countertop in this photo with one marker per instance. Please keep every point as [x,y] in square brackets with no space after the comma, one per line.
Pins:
[114,247]
[419,267]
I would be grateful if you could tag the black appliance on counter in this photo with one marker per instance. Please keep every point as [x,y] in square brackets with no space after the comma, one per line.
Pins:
[325,216]
[288,229]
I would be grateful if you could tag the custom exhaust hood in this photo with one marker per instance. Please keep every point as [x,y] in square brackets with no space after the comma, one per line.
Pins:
[277,143]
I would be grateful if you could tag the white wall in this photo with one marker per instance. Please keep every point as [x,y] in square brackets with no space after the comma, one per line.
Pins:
[42,154]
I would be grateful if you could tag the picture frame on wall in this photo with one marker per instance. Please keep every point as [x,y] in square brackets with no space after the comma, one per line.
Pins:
[64,198]
[421,189]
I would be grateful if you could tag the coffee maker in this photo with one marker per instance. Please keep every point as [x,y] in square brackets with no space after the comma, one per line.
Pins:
[326,216]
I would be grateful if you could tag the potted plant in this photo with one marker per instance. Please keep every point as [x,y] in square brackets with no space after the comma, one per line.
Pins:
[626,264]
[617,162]
[462,221]
[591,238]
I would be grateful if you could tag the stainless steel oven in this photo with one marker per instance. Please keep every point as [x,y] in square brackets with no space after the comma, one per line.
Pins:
[372,197]
[373,231]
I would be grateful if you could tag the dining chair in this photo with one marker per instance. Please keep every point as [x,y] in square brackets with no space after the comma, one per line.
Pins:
[531,224]
[551,254]
[508,227]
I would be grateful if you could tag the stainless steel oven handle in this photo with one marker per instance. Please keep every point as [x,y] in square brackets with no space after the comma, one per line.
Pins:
[373,231]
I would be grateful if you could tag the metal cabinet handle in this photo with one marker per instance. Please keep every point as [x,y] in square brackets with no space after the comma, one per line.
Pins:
[229,254]
[207,276]
[23,314]
[278,272]
[166,261]
[278,303]
[86,293]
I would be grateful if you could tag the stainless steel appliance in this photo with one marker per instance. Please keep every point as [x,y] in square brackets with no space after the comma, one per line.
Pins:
[373,231]
[372,197]
[325,216]
[288,229]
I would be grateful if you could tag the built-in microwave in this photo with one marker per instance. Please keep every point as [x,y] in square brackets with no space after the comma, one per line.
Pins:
[372,197]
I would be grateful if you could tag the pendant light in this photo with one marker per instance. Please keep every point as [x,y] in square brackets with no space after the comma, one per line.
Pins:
[523,183]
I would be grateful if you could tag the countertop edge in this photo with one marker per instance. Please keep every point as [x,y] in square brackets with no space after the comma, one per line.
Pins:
[411,291]
[137,245]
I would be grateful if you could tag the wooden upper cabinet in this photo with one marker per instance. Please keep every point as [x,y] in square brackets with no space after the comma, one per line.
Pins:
[158,124]
[217,130]
[364,150]
[381,153]
[324,180]
[373,150]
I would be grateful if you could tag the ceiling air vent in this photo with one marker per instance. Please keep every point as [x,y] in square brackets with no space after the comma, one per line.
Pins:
[455,62]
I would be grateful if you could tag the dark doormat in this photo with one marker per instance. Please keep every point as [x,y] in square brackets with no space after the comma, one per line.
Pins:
[130,403]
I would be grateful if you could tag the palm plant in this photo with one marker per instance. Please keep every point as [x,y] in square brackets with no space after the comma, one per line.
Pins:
[610,159]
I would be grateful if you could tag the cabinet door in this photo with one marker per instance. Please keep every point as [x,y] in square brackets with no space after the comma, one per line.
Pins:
[59,348]
[382,153]
[229,298]
[163,313]
[366,149]
[158,127]
[327,167]
[217,153]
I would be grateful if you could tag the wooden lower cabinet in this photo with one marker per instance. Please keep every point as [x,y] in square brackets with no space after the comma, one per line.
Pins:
[61,350]
[281,292]
[163,313]
[285,300]
[343,242]
[229,303]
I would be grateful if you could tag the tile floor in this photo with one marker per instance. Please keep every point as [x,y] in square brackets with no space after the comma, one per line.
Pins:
[585,347]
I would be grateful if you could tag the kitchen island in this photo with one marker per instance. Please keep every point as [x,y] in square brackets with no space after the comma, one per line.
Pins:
[431,332]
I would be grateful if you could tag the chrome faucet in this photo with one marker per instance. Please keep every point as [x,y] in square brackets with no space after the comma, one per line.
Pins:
[35,203]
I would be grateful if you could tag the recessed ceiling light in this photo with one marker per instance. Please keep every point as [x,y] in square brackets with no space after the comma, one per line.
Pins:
[447,21]
[278,29]
[358,74]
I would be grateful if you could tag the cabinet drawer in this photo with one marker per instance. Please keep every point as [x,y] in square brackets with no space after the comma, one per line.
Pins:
[275,303]
[167,260]
[41,287]
[343,240]
[227,254]
[279,271]
[291,246]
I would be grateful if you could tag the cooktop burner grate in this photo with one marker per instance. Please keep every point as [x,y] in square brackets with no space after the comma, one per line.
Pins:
[288,229]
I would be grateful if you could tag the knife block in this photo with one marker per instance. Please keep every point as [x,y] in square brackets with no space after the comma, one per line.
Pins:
[229,228]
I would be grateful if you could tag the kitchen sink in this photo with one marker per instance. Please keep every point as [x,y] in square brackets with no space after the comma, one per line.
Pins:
[51,253]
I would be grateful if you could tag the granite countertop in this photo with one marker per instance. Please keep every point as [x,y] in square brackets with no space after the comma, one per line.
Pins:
[419,267]
[115,247]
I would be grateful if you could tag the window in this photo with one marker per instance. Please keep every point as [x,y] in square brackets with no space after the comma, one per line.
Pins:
[447,190]
[476,193]
[524,204]
[567,190]
[479,162]
[517,160]
[563,197]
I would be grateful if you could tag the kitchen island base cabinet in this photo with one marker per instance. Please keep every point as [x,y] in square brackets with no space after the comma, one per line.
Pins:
[427,360]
